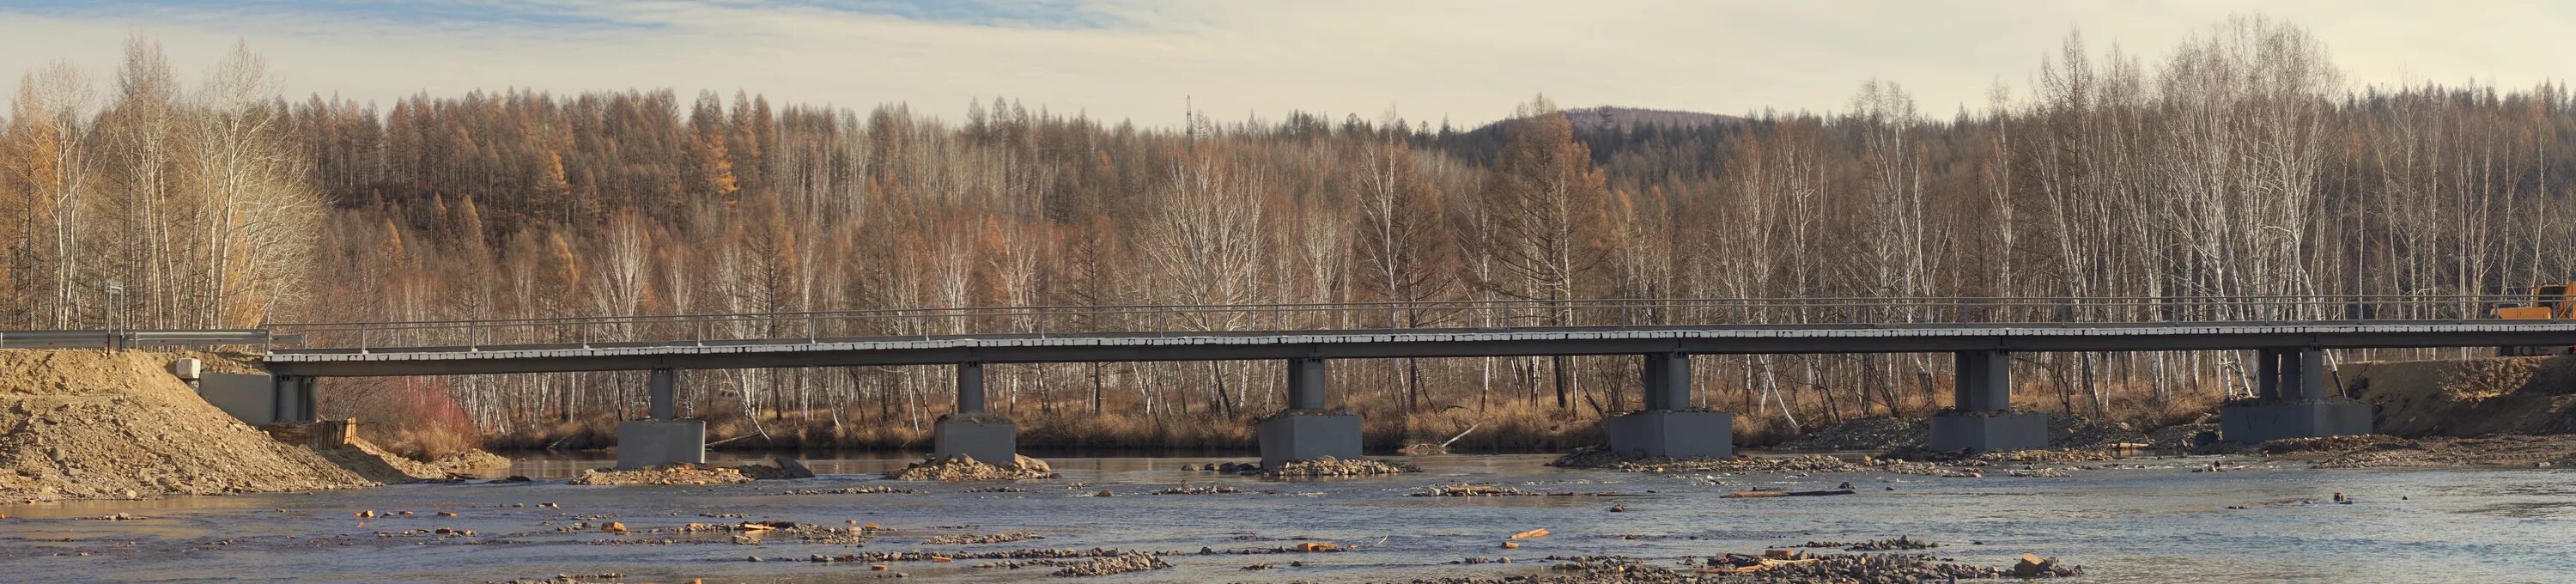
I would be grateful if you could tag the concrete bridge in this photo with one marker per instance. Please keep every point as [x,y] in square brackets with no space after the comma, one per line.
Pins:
[2292,399]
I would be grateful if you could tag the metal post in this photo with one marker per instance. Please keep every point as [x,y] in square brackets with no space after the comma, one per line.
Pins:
[662,384]
[1306,383]
[970,388]
[1668,381]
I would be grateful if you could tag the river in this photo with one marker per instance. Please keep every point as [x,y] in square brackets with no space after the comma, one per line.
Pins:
[2163,523]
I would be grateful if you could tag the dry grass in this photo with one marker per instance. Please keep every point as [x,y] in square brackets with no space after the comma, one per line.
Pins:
[1507,424]
[1502,426]
[413,417]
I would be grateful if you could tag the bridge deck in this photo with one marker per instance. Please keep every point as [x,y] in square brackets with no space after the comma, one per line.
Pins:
[1417,343]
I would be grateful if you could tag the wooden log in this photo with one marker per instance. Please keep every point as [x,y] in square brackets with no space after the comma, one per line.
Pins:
[1769,494]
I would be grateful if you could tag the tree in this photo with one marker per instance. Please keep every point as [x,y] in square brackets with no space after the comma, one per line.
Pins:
[52,130]
[257,214]
[1549,213]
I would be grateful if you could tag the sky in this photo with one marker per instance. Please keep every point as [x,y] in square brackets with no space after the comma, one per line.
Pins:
[1142,60]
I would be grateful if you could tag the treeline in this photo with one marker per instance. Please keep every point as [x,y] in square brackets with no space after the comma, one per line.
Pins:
[2240,166]
[151,203]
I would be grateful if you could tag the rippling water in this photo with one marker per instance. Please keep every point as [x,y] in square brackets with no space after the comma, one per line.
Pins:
[2162,524]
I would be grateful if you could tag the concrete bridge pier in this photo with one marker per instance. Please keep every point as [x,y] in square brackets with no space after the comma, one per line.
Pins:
[988,438]
[1306,430]
[1669,427]
[663,438]
[292,399]
[1980,418]
[2291,401]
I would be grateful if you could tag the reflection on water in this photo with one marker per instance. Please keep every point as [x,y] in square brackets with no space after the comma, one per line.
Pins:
[549,465]
[2161,524]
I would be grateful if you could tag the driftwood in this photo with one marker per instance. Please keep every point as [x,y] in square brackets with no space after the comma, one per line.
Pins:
[1769,494]
[1441,448]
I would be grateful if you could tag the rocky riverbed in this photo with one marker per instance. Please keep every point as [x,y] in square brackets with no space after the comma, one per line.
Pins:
[1773,567]
[696,474]
[1332,467]
[1657,527]
[2378,451]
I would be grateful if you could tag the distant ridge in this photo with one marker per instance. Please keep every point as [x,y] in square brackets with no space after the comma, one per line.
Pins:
[1613,117]
[1606,129]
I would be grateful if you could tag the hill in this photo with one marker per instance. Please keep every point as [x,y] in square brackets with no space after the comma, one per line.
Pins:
[1593,119]
[1610,130]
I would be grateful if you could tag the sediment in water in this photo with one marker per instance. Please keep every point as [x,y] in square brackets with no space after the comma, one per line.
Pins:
[966,468]
[695,474]
[1332,467]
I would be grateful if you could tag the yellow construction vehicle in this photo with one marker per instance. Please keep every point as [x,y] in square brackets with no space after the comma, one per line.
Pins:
[2548,301]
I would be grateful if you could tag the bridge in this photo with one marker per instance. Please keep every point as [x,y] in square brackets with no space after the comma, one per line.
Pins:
[2289,336]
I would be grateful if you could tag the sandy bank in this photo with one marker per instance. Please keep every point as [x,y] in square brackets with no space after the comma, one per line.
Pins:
[85,424]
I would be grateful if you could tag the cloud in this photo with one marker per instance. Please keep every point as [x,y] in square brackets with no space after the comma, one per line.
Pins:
[1138,59]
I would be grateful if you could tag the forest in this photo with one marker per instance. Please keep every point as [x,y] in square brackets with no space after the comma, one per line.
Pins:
[2240,164]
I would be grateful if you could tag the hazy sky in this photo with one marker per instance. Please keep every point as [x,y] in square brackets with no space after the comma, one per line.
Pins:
[1137,59]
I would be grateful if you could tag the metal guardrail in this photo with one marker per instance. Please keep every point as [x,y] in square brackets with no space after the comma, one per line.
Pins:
[1058,320]
[137,339]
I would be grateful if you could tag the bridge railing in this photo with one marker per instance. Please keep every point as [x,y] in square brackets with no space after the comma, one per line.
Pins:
[124,339]
[1455,314]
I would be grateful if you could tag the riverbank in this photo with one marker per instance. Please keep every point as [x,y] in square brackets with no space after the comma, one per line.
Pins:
[2518,395]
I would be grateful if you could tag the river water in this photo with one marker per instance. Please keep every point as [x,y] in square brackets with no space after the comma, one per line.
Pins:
[2163,523]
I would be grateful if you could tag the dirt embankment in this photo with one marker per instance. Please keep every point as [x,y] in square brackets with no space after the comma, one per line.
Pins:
[2470,397]
[82,424]
[379,465]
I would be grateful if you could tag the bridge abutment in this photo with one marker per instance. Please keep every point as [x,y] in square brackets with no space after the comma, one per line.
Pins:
[1981,418]
[663,438]
[1307,430]
[2291,401]
[988,438]
[1669,427]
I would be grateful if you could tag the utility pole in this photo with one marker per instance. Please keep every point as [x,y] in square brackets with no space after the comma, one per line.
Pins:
[107,312]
